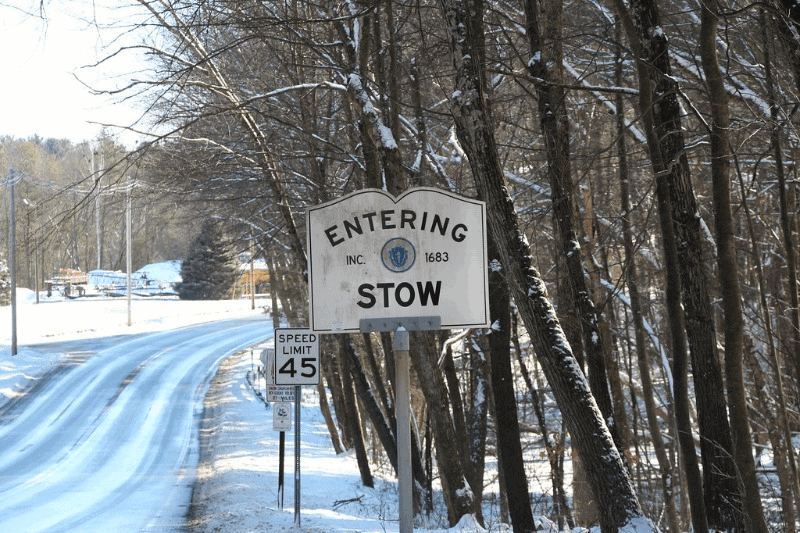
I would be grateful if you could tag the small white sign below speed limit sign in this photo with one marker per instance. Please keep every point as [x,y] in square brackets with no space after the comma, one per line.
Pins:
[296,357]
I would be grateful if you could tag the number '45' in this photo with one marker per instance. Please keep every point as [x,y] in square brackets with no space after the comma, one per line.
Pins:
[307,367]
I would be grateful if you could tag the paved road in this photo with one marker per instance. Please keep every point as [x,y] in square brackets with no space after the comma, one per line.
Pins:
[108,440]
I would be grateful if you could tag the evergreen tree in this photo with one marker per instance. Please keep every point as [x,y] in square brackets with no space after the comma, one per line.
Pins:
[211,269]
[5,283]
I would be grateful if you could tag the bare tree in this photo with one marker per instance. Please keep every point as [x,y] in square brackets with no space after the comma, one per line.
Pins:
[682,235]
[606,470]
[726,259]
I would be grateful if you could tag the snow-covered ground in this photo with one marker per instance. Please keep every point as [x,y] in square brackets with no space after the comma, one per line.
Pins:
[236,481]
[236,477]
[236,485]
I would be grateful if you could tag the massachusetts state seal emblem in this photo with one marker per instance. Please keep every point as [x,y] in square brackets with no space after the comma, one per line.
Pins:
[398,255]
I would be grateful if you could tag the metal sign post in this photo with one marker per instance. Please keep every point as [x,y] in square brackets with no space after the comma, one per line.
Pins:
[296,363]
[401,327]
[297,456]
[403,431]
[282,453]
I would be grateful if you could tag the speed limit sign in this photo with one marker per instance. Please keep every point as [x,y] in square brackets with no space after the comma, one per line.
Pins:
[296,357]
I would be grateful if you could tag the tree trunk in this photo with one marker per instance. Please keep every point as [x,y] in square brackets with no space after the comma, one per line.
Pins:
[728,268]
[333,376]
[554,448]
[765,404]
[448,370]
[787,232]
[790,15]
[457,495]
[381,151]
[662,115]
[478,417]
[352,419]
[605,468]
[773,355]
[377,382]
[555,129]
[648,392]
[509,446]
[324,407]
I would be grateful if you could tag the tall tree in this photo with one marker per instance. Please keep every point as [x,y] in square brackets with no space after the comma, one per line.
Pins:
[211,268]
[605,468]
[782,400]
[791,29]
[546,68]
[667,475]
[728,268]
[509,446]
[658,100]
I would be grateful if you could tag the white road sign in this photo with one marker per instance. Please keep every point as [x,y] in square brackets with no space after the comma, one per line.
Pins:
[282,417]
[296,357]
[372,256]
[267,357]
[280,393]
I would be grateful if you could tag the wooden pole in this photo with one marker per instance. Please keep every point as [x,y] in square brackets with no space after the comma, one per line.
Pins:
[128,247]
[12,240]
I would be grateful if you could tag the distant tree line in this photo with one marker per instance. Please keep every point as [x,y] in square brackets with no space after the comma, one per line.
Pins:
[70,209]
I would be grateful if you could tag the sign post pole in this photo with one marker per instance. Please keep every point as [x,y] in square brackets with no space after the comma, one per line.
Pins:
[297,456]
[402,408]
[281,454]
[403,416]
[296,363]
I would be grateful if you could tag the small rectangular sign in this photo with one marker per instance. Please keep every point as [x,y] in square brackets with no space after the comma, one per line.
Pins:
[267,358]
[280,393]
[296,357]
[282,417]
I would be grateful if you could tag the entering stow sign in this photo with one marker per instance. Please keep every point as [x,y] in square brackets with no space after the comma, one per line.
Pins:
[296,357]
[372,255]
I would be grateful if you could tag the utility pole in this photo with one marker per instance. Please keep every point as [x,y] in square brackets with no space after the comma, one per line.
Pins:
[12,240]
[252,274]
[98,177]
[128,243]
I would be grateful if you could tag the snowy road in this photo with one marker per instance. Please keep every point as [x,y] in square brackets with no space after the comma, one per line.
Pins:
[108,440]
